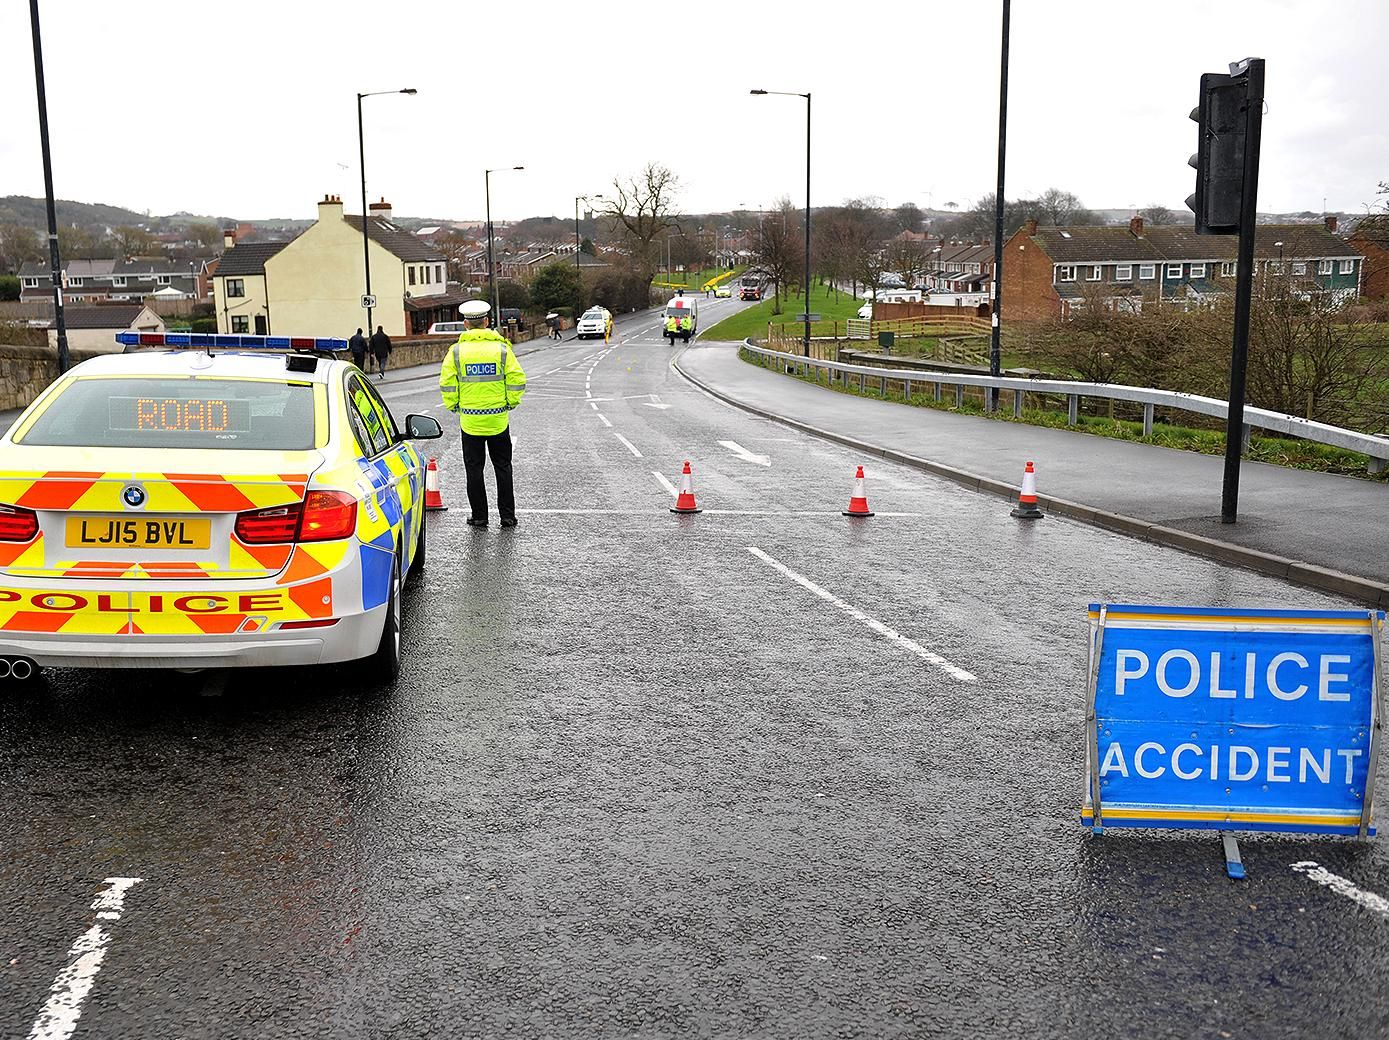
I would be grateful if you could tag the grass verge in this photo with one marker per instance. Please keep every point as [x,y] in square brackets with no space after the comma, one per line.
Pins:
[1278,451]
[752,321]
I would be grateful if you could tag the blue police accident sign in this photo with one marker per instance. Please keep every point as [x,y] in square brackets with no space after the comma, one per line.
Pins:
[1261,720]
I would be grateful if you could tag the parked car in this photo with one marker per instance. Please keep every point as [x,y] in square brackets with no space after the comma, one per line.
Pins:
[596,322]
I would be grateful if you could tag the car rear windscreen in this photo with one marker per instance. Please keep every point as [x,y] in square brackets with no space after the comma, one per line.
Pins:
[246,414]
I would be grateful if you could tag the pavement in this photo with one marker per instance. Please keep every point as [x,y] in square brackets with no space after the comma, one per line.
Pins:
[639,779]
[1287,516]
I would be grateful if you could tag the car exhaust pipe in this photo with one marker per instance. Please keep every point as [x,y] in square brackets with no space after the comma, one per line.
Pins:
[6,670]
[21,668]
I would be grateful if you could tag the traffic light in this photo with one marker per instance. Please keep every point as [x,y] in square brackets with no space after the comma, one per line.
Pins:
[1219,158]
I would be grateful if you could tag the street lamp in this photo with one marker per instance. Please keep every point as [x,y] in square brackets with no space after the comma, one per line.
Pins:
[577,200]
[362,157]
[1280,256]
[55,262]
[806,345]
[491,267]
[996,283]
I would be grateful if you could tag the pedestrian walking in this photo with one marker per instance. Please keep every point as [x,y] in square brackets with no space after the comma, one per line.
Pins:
[552,322]
[482,382]
[381,349]
[358,345]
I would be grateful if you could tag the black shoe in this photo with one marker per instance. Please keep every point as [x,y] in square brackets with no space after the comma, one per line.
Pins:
[475,522]
[509,521]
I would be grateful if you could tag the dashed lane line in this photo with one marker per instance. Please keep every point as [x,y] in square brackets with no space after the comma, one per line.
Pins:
[630,446]
[1343,887]
[58,1017]
[606,421]
[953,670]
[664,482]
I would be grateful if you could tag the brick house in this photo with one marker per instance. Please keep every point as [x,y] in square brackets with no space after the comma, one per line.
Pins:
[1053,270]
[1371,238]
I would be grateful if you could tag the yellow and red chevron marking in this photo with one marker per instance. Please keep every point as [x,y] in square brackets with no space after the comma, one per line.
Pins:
[167,492]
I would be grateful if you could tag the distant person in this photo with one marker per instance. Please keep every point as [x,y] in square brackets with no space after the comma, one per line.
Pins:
[552,321]
[381,349]
[358,345]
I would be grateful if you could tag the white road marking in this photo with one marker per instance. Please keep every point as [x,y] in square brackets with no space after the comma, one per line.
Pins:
[1343,887]
[59,1015]
[877,626]
[593,405]
[706,512]
[630,446]
[606,421]
[664,482]
[745,455]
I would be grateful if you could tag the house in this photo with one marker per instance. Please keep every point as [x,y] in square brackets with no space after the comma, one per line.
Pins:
[1371,240]
[1052,270]
[313,284]
[100,281]
[94,327]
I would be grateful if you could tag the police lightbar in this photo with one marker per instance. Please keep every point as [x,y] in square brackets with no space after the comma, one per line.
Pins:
[210,340]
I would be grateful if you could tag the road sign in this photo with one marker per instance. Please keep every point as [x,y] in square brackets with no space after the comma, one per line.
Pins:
[807,317]
[1233,719]
[368,302]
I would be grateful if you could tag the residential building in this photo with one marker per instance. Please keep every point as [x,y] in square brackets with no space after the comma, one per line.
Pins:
[100,281]
[1051,271]
[94,327]
[313,284]
[1371,239]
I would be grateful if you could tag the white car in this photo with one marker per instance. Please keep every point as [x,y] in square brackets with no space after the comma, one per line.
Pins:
[209,508]
[596,322]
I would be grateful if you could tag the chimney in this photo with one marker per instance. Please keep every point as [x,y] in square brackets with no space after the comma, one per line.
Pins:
[381,209]
[1030,227]
[228,238]
[1136,227]
[330,208]
[1330,223]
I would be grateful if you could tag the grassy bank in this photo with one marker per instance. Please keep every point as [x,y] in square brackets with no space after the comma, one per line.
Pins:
[1278,451]
[753,320]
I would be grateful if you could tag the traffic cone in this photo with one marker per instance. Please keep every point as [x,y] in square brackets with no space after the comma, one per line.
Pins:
[433,501]
[685,502]
[1027,498]
[858,501]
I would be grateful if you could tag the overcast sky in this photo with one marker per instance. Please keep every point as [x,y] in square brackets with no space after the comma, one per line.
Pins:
[248,110]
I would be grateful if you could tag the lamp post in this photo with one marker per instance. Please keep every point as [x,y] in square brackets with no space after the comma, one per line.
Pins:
[55,262]
[577,200]
[491,266]
[1280,256]
[362,159]
[996,283]
[805,347]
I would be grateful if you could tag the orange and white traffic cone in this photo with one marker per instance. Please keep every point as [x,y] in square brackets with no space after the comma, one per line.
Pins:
[685,501]
[1027,498]
[858,501]
[433,501]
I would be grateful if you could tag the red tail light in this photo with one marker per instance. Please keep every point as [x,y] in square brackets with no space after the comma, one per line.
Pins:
[328,515]
[18,524]
[268,526]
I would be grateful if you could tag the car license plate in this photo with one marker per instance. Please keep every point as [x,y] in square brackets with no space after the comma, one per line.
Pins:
[146,532]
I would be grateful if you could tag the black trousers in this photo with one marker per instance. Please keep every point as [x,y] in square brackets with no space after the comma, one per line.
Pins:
[475,451]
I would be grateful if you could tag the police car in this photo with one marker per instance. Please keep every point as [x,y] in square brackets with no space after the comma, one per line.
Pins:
[209,501]
[596,322]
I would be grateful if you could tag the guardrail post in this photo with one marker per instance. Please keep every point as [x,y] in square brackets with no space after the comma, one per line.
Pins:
[1377,466]
[862,383]
[1072,409]
[882,387]
[1147,420]
[1017,404]
[937,393]
[959,395]
[907,390]
[988,401]
[1246,434]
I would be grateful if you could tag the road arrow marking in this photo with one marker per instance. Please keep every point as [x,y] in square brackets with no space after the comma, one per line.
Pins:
[745,455]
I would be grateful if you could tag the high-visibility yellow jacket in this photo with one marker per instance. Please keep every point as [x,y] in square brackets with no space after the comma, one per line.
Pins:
[684,323]
[482,381]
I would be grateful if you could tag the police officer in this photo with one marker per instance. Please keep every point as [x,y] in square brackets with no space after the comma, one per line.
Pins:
[482,381]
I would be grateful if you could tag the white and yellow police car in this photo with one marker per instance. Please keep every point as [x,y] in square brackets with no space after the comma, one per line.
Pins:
[209,501]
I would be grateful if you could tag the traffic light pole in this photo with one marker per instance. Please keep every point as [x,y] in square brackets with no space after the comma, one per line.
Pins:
[1244,285]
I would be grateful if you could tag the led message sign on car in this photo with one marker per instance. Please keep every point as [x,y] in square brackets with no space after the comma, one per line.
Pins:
[180,414]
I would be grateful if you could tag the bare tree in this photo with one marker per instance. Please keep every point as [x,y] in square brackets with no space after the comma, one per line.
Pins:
[18,245]
[776,244]
[908,217]
[640,208]
[455,246]
[908,258]
[1156,214]
[1061,209]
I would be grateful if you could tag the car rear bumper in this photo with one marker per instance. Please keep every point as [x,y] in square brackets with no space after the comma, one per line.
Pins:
[347,639]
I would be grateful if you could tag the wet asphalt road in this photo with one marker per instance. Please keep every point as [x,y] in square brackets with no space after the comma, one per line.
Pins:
[635,781]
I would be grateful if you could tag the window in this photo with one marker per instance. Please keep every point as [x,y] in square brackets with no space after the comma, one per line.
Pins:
[1147,271]
[1198,270]
[1299,267]
[31,283]
[1123,273]
[74,282]
[241,323]
[374,434]
[1228,268]
[1323,267]
[1174,270]
[410,273]
[427,272]
[163,279]
[118,281]
[1096,273]
[1347,266]
[1274,266]
[236,287]
[144,411]
[439,273]
[1065,273]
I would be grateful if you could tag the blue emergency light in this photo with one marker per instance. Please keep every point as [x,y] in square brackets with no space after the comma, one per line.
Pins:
[209,341]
